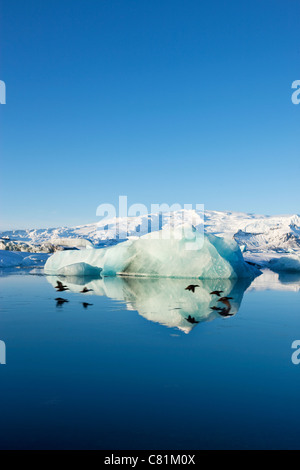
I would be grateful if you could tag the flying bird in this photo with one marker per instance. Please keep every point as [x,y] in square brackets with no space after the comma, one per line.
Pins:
[191,320]
[217,292]
[60,287]
[192,287]
[85,290]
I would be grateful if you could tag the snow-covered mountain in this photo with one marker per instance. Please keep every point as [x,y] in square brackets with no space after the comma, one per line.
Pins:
[261,237]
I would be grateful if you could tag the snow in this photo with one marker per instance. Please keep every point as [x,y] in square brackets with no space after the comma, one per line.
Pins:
[261,238]
[256,232]
[180,252]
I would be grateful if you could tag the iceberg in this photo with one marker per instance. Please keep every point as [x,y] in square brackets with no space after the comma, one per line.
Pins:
[12,259]
[181,252]
[289,264]
[281,281]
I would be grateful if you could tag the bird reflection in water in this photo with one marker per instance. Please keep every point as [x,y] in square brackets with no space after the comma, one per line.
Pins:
[60,302]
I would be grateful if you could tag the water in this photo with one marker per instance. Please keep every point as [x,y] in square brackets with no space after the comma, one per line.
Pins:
[130,372]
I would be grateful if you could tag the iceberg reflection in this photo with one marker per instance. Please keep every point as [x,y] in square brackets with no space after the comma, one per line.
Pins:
[283,281]
[165,301]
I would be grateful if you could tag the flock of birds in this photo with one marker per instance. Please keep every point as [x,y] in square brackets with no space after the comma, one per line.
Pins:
[223,311]
[61,288]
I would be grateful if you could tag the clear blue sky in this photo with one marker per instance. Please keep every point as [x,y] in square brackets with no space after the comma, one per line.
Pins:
[170,101]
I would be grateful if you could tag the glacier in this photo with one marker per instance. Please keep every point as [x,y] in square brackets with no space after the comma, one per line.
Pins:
[259,235]
[262,239]
[180,252]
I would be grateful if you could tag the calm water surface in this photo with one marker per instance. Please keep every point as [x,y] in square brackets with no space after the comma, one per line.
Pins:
[130,372]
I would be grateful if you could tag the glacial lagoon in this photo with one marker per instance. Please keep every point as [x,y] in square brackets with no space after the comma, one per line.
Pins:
[122,367]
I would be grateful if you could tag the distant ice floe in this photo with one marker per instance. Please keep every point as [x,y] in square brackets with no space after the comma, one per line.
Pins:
[283,281]
[12,259]
[184,253]
[289,264]
[58,244]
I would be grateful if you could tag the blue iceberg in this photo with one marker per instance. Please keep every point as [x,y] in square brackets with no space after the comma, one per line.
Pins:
[181,252]
[288,264]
